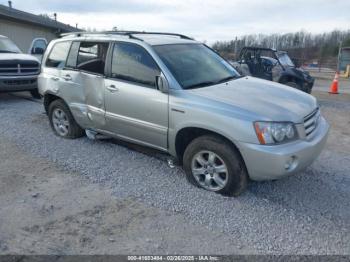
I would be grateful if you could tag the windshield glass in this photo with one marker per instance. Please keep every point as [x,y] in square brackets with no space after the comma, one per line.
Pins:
[7,46]
[284,59]
[195,65]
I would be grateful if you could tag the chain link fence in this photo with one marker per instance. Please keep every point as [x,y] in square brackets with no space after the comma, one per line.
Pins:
[317,65]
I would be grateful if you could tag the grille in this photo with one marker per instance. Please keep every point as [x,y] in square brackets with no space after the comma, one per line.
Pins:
[19,82]
[19,68]
[311,122]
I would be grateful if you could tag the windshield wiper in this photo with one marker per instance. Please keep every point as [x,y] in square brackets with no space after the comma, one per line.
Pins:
[226,79]
[210,83]
[202,84]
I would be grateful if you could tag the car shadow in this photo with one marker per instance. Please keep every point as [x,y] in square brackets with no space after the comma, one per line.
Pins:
[15,97]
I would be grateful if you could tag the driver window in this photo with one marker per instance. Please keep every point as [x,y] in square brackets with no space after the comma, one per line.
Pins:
[133,63]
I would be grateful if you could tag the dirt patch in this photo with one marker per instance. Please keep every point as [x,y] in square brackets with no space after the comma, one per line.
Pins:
[46,211]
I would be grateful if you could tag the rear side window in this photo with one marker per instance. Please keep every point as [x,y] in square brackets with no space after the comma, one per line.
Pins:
[133,63]
[88,56]
[58,55]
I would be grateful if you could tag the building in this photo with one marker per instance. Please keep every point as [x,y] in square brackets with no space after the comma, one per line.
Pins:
[22,27]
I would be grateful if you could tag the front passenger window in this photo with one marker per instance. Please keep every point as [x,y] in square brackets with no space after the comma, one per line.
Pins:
[131,62]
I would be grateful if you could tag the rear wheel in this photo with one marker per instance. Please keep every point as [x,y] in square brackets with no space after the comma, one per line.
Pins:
[62,121]
[214,165]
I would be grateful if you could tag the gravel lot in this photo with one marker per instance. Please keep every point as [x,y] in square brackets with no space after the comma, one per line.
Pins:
[308,213]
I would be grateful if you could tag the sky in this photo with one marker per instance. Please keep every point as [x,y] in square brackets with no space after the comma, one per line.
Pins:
[205,20]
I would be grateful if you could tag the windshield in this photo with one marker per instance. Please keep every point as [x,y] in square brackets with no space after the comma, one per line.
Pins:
[284,59]
[7,46]
[195,65]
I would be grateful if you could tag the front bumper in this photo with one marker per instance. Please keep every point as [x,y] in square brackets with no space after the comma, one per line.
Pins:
[274,162]
[18,83]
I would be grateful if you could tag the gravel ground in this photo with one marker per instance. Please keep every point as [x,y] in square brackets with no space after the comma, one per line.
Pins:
[308,213]
[48,211]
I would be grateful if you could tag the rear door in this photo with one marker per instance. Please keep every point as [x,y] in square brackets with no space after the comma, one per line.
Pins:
[71,88]
[135,109]
[84,82]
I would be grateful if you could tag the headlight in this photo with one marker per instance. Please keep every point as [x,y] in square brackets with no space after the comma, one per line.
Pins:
[275,132]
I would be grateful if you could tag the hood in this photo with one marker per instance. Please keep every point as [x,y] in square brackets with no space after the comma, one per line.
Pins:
[17,57]
[267,100]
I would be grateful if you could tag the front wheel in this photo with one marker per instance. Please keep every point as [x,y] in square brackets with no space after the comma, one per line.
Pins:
[293,84]
[214,165]
[299,87]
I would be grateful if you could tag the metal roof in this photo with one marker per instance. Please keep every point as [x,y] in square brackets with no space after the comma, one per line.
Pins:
[18,15]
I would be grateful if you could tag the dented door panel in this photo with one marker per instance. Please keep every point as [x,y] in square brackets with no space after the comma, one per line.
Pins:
[84,94]
[94,99]
[72,90]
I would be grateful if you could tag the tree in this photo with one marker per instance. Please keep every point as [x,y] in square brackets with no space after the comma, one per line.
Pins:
[301,45]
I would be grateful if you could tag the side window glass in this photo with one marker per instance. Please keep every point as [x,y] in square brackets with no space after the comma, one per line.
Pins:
[133,63]
[73,55]
[92,57]
[58,55]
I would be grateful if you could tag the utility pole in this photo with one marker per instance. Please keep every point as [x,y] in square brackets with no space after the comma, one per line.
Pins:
[339,55]
[236,48]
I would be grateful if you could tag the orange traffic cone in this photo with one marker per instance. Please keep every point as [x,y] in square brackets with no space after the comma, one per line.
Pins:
[334,86]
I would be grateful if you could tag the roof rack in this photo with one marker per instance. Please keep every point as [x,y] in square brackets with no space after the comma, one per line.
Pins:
[125,33]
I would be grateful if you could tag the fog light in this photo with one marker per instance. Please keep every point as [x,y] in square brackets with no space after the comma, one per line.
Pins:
[291,163]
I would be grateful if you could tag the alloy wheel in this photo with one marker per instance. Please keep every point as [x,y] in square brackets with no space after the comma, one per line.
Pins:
[209,170]
[60,122]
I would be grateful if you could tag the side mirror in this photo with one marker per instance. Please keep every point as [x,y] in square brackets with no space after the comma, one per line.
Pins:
[162,84]
[38,51]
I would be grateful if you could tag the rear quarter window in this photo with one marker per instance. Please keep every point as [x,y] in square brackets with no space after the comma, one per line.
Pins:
[58,55]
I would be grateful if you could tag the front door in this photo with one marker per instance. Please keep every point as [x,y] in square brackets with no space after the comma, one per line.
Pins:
[38,47]
[135,109]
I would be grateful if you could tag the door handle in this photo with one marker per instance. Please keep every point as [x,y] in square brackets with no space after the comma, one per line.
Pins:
[112,88]
[67,78]
[55,78]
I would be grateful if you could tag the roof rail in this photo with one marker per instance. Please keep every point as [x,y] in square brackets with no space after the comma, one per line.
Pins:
[126,33]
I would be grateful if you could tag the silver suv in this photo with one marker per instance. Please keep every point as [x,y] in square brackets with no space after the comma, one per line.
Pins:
[174,94]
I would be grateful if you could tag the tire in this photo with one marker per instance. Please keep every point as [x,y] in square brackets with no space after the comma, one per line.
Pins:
[35,94]
[62,121]
[236,176]
[293,84]
[308,90]
[297,86]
